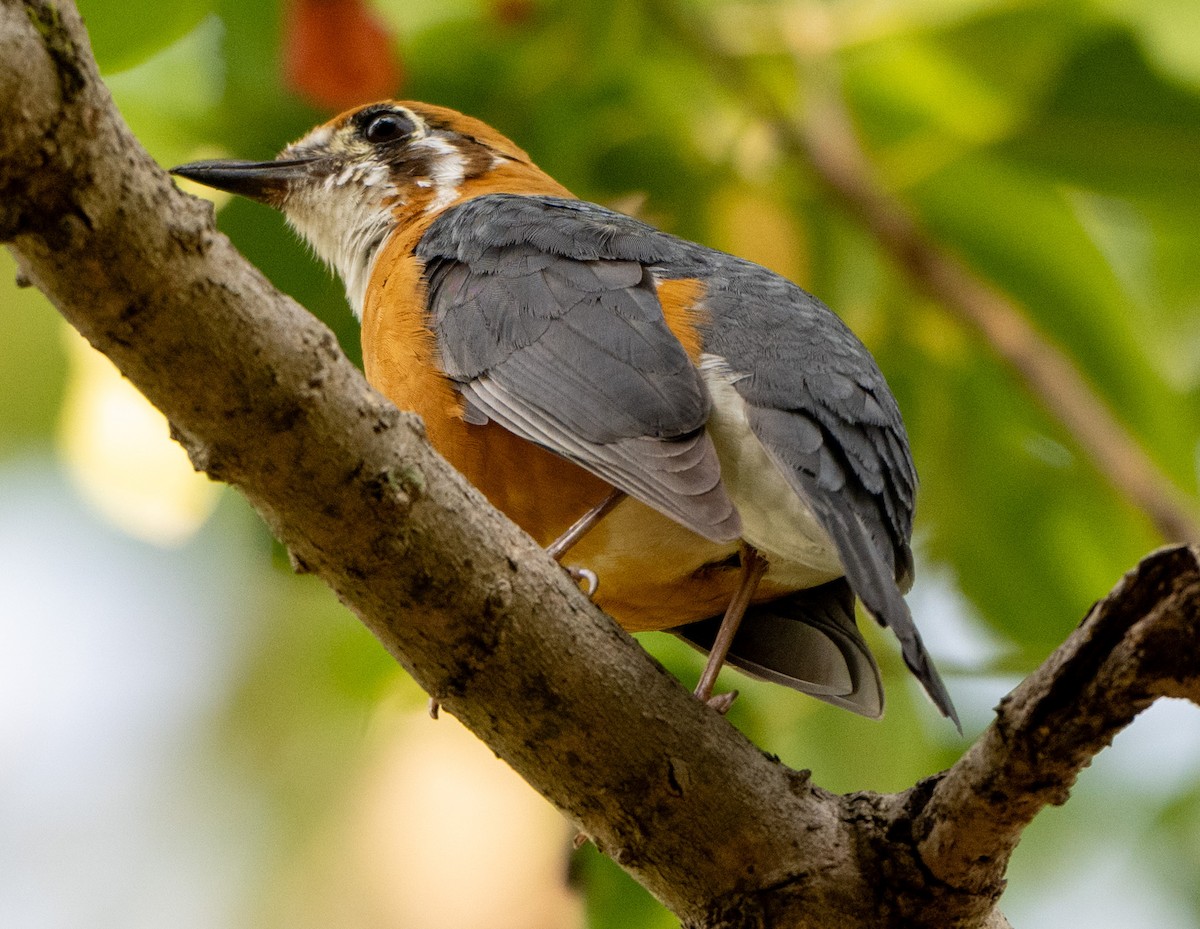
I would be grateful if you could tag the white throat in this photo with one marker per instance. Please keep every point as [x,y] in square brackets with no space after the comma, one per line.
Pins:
[346,220]
[449,170]
[346,217]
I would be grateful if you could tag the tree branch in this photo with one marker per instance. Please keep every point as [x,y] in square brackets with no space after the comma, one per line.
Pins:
[826,142]
[259,394]
[1140,643]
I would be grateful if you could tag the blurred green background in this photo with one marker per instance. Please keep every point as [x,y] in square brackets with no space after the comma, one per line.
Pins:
[192,736]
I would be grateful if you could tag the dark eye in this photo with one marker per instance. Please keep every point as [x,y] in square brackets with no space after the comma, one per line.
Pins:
[386,127]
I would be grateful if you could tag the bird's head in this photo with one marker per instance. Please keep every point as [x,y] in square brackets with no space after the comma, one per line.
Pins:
[350,183]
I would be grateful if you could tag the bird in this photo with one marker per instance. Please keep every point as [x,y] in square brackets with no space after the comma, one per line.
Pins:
[702,437]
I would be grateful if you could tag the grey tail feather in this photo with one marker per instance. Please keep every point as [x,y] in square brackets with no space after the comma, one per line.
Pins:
[875,587]
[808,641]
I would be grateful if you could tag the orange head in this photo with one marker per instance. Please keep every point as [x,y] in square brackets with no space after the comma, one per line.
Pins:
[350,183]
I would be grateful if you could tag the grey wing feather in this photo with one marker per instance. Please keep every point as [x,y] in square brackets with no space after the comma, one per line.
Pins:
[567,347]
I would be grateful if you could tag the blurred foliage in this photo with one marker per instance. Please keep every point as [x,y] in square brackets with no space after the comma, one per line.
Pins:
[1052,144]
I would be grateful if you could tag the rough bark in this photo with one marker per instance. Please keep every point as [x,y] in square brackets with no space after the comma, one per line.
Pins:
[260,395]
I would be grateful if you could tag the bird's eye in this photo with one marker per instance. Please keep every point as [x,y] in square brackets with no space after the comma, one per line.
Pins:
[386,127]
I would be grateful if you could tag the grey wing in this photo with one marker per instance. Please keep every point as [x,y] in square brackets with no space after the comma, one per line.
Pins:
[573,353]
[817,401]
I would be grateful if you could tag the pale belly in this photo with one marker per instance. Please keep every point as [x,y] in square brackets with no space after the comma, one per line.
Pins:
[775,519]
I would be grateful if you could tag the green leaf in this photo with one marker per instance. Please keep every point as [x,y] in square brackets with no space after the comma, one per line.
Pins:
[1115,125]
[128,32]
[1027,236]
[169,98]
[32,363]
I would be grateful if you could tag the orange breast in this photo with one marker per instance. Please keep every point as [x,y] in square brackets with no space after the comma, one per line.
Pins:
[538,490]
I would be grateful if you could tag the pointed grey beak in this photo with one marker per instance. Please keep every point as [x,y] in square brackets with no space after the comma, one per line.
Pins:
[265,181]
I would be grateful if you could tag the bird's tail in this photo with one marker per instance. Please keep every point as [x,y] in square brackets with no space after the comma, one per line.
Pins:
[808,641]
[874,584]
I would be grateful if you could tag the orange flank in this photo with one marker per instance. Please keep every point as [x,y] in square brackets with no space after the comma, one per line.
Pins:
[680,299]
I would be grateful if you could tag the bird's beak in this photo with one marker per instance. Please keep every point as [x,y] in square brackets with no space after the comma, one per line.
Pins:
[266,181]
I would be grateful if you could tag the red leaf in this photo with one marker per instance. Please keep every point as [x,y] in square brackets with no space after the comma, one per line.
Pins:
[337,54]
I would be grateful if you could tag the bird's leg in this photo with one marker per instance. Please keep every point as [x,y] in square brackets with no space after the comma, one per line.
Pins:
[579,528]
[754,566]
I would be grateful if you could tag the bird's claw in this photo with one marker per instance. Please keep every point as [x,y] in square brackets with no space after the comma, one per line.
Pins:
[722,702]
[586,575]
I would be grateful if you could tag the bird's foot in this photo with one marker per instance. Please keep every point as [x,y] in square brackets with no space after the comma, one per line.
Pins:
[586,577]
[722,702]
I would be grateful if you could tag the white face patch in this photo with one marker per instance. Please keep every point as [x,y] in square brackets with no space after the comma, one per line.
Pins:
[318,138]
[448,171]
[347,214]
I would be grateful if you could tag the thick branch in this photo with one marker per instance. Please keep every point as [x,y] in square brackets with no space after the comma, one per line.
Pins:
[1140,643]
[827,143]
